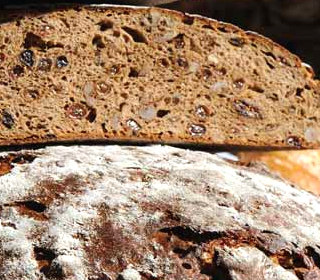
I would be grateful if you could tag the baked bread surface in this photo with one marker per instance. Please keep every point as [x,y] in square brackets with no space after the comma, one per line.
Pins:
[152,75]
[132,213]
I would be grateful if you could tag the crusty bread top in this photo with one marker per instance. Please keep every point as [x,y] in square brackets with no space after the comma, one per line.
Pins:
[302,168]
[108,212]
[150,75]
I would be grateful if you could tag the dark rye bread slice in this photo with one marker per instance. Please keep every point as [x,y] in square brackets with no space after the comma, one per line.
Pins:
[147,74]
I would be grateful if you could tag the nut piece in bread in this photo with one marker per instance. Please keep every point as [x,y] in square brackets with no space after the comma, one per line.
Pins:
[152,75]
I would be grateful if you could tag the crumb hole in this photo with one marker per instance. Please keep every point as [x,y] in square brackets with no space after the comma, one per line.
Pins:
[136,35]
[124,95]
[103,125]
[256,88]
[237,42]
[299,92]
[162,113]
[92,115]
[270,54]
[271,66]
[33,40]
[188,20]
[116,33]
[133,73]
[223,29]
[165,62]
[207,26]
[98,42]
[105,25]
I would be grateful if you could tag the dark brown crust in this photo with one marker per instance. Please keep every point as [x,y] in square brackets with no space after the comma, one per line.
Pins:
[80,138]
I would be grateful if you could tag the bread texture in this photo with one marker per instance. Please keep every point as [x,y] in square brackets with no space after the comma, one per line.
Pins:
[152,75]
[302,168]
[157,212]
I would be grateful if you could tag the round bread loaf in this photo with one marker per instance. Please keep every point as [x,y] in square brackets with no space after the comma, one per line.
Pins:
[302,168]
[157,212]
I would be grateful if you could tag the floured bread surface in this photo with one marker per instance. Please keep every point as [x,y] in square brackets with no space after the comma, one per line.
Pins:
[150,75]
[97,212]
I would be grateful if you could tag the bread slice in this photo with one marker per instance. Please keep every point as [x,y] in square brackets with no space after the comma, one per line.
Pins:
[148,74]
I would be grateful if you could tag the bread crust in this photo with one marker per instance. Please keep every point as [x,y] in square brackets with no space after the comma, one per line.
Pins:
[114,212]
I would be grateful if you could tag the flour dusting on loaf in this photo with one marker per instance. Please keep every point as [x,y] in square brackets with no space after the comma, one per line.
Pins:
[131,213]
[149,75]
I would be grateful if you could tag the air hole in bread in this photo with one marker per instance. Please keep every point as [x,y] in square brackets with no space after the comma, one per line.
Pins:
[33,40]
[273,96]
[104,129]
[133,73]
[271,66]
[116,33]
[92,115]
[237,42]
[61,62]
[136,35]
[133,125]
[197,129]
[188,20]
[44,64]
[284,61]
[124,95]
[202,111]
[105,25]
[17,70]
[164,62]
[121,106]
[98,42]
[294,141]
[299,92]
[205,74]
[270,54]
[256,88]
[207,26]
[162,113]
[223,29]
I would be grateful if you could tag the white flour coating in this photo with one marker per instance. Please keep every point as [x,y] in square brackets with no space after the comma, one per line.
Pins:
[255,261]
[130,274]
[208,193]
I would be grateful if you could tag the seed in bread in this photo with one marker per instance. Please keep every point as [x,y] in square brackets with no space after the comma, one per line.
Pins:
[149,74]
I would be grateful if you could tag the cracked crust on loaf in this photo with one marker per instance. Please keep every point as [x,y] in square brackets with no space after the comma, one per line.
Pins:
[157,212]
